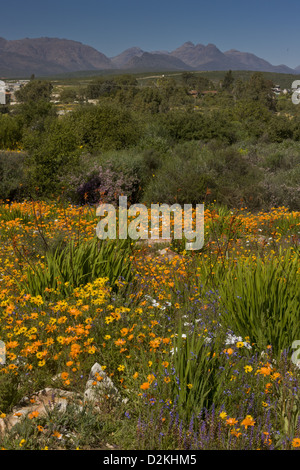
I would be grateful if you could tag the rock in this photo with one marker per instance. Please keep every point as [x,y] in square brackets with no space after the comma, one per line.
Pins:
[152,242]
[100,386]
[169,254]
[40,401]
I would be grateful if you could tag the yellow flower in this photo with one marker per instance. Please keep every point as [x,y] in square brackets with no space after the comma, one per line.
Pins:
[41,363]
[190,386]
[91,350]
[248,369]
[150,378]
[223,415]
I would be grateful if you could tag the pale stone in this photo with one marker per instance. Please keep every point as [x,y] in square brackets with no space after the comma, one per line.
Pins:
[97,389]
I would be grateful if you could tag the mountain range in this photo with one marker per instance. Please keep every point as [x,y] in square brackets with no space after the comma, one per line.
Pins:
[51,56]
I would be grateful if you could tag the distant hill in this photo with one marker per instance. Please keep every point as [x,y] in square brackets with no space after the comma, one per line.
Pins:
[154,62]
[197,56]
[122,59]
[209,57]
[46,56]
[252,62]
[52,56]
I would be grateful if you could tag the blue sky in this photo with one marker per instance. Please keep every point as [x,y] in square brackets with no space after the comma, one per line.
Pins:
[269,29]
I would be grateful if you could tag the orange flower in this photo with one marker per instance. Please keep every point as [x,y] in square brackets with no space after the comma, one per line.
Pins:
[120,342]
[248,421]
[34,414]
[75,350]
[64,375]
[235,432]
[116,315]
[145,386]
[267,438]
[275,376]
[228,351]
[296,442]
[12,344]
[154,343]
[266,370]
[268,385]
[231,421]
[75,312]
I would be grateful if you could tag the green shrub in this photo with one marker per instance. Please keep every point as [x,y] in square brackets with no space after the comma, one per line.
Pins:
[10,132]
[74,265]
[197,379]
[13,176]
[261,300]
[104,127]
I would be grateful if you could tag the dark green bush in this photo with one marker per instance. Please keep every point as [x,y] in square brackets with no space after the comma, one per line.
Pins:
[13,177]
[10,132]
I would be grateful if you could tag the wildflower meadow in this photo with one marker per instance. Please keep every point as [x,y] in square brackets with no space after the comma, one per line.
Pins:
[201,345]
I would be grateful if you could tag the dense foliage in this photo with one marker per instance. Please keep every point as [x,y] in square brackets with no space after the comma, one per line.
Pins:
[185,136]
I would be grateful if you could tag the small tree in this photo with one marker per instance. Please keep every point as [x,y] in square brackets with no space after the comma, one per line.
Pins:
[228,80]
[34,103]
[35,90]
